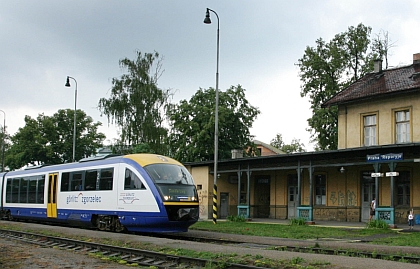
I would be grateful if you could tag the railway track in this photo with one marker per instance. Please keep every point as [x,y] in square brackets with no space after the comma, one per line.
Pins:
[314,250]
[129,255]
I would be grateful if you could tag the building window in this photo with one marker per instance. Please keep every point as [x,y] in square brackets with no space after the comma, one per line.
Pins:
[320,189]
[369,130]
[403,188]
[402,126]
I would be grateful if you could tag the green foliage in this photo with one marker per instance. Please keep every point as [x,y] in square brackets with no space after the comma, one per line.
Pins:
[377,224]
[328,68]
[294,146]
[143,148]
[297,221]
[137,105]
[236,218]
[49,140]
[192,123]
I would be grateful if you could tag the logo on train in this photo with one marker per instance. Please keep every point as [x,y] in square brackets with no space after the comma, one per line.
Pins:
[80,198]
[128,198]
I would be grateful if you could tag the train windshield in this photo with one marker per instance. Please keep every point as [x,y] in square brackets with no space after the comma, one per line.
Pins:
[169,174]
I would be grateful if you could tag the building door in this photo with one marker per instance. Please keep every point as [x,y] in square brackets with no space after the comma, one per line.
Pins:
[224,205]
[52,195]
[292,203]
[262,197]
[368,193]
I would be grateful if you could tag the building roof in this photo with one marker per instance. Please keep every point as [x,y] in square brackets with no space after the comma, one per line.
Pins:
[384,83]
[268,146]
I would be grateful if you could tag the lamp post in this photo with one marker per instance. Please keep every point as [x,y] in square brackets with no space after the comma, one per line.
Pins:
[3,145]
[74,127]
[216,117]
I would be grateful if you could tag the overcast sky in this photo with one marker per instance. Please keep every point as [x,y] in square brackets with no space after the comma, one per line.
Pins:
[44,41]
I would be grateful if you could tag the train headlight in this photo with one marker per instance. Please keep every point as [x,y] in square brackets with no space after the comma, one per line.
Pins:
[166,197]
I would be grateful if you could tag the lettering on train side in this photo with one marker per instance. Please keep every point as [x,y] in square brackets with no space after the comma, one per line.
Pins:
[74,199]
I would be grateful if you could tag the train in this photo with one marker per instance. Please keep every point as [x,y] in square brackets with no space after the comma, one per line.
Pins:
[145,193]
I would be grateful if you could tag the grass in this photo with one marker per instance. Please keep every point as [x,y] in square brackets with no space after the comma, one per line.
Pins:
[303,231]
[293,230]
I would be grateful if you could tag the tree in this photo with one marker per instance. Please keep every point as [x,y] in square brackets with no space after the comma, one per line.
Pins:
[4,145]
[192,124]
[294,146]
[137,105]
[329,68]
[49,140]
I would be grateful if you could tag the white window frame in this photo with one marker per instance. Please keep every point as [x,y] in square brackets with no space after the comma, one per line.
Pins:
[402,126]
[370,130]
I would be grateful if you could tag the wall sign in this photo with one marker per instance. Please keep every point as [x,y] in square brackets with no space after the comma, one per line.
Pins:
[385,157]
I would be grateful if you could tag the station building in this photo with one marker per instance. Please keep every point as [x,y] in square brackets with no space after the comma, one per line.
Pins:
[378,157]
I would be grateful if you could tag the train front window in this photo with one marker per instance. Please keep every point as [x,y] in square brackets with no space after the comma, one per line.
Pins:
[169,174]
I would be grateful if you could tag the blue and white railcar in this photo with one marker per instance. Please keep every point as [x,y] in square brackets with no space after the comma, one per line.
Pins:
[138,193]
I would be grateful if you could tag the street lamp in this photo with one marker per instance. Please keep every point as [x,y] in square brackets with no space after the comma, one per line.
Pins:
[3,145]
[74,127]
[216,117]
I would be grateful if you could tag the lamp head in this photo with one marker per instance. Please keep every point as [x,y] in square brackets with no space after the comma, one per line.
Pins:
[67,82]
[207,18]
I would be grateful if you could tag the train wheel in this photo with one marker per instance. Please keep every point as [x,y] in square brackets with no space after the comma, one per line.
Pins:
[101,223]
[9,216]
[118,226]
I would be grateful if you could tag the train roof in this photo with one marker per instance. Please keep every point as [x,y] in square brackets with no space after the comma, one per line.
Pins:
[143,159]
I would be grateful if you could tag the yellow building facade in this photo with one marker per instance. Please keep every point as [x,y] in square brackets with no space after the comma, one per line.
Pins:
[378,157]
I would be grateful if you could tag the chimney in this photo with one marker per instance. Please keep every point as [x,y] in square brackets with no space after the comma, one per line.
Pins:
[377,67]
[416,58]
[237,153]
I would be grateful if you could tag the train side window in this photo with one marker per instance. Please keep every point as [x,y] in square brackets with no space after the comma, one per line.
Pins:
[23,190]
[40,192]
[65,181]
[9,190]
[90,180]
[107,176]
[32,190]
[15,190]
[132,182]
[76,183]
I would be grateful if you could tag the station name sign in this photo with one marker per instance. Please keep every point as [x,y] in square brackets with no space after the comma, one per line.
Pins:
[384,157]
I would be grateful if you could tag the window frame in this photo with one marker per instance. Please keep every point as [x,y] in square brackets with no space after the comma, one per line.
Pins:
[364,127]
[408,121]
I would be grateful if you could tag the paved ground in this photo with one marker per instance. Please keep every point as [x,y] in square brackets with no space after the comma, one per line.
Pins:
[338,261]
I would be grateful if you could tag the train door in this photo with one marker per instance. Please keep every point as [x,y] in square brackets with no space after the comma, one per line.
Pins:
[224,205]
[52,195]
[292,202]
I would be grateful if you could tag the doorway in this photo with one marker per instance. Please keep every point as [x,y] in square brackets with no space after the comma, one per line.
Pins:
[224,205]
[262,197]
[292,202]
[368,193]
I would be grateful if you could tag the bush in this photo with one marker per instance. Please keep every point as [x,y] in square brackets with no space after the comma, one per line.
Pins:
[378,224]
[297,221]
[236,218]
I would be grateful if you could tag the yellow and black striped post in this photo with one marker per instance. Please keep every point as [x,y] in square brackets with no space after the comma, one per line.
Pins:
[215,204]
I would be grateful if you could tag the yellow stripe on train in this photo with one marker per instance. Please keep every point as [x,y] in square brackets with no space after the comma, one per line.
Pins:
[146,159]
[181,203]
